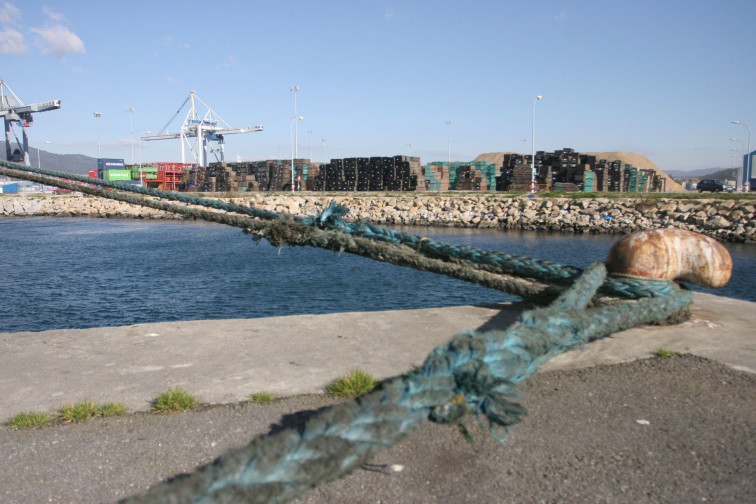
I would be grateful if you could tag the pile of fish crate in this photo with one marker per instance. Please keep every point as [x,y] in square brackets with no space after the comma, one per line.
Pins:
[517,172]
[568,170]
[564,170]
[461,176]
[269,175]
[397,173]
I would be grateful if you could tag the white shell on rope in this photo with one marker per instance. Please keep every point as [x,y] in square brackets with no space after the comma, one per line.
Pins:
[672,254]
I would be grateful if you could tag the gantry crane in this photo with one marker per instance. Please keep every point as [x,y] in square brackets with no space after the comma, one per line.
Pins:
[196,133]
[13,111]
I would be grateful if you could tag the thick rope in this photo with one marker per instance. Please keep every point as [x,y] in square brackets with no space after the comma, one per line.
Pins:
[474,373]
[493,261]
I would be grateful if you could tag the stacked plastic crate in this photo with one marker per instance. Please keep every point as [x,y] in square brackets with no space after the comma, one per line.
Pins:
[630,181]
[279,175]
[646,181]
[589,179]
[437,176]
[616,176]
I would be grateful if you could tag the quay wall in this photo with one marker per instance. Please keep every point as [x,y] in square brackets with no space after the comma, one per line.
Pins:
[724,219]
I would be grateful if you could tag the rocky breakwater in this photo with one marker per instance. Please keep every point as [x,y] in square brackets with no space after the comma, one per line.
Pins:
[76,206]
[724,219]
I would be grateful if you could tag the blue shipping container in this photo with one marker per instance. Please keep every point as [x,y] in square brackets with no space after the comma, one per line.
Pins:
[9,188]
[109,164]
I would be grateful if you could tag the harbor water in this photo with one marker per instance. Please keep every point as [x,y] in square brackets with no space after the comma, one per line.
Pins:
[67,273]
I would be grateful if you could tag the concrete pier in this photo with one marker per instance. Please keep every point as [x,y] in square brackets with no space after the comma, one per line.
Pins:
[221,361]
[604,423]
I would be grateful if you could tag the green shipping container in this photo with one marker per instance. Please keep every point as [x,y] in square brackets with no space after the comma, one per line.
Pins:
[145,169]
[116,175]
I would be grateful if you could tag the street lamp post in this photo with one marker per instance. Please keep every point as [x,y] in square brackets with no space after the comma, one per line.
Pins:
[39,162]
[141,182]
[97,116]
[747,159]
[449,123]
[310,132]
[294,150]
[532,145]
[297,118]
[130,110]
[323,177]
[739,175]
[295,90]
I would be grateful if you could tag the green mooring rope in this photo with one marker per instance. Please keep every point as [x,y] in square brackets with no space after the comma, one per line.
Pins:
[475,373]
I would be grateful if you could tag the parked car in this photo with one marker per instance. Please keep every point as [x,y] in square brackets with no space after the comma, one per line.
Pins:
[710,185]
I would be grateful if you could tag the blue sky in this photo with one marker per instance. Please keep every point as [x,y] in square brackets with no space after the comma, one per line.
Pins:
[380,78]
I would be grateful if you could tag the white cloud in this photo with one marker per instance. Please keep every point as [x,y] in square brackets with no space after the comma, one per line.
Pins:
[229,61]
[11,42]
[55,16]
[59,41]
[9,14]
[170,79]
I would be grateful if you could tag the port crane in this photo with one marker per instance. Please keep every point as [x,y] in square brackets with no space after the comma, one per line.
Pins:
[14,111]
[197,133]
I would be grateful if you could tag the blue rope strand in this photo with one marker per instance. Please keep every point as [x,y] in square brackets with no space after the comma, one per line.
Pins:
[475,373]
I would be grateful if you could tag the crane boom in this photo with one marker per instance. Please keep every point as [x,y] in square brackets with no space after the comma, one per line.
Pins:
[208,128]
[13,110]
[32,107]
[193,133]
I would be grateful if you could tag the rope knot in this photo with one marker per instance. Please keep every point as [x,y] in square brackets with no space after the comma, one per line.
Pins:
[285,230]
[330,218]
[480,392]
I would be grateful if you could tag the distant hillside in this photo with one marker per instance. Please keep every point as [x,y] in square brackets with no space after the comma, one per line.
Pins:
[636,160]
[69,163]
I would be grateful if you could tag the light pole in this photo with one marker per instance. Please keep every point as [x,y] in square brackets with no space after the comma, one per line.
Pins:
[297,118]
[141,182]
[747,159]
[739,175]
[97,116]
[532,145]
[449,123]
[324,164]
[39,163]
[295,90]
[130,110]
